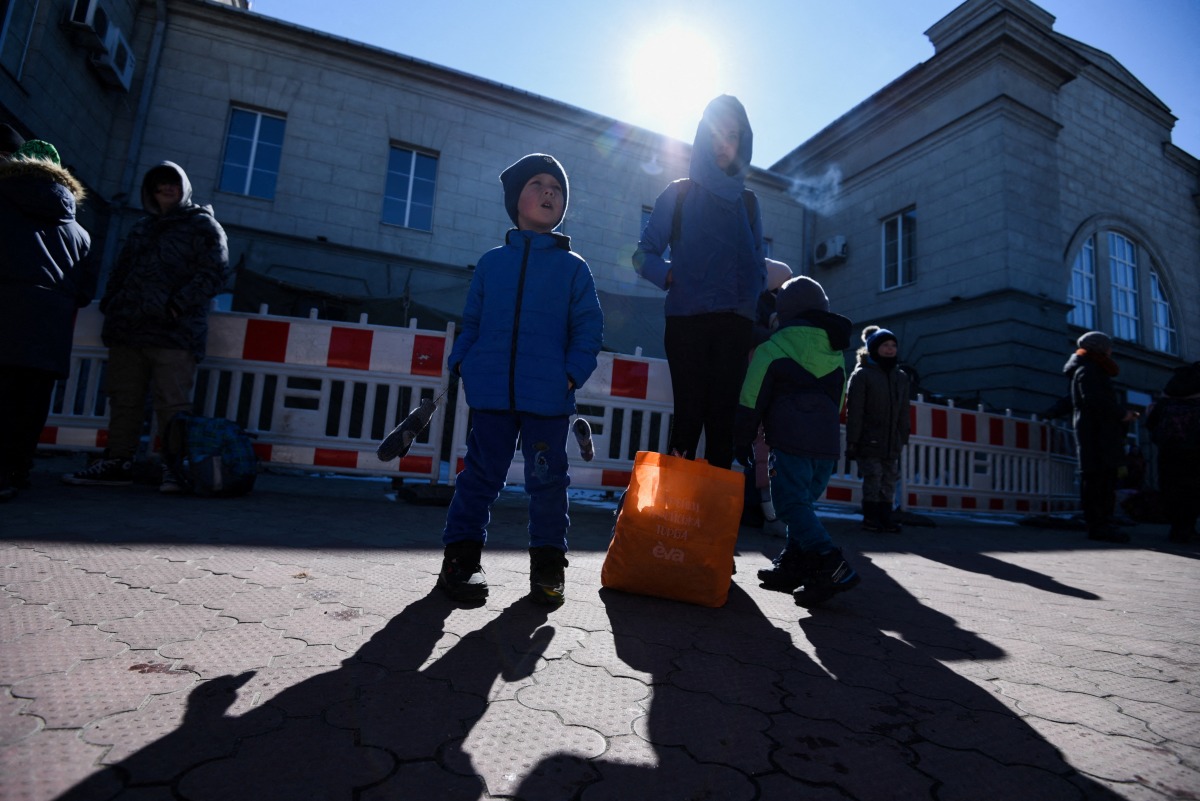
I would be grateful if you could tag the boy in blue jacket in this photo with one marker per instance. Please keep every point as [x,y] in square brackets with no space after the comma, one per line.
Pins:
[795,387]
[531,330]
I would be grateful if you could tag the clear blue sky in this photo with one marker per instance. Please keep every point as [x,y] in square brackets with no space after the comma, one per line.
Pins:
[797,65]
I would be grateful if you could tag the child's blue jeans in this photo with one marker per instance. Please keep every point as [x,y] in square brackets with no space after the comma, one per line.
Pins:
[798,483]
[490,448]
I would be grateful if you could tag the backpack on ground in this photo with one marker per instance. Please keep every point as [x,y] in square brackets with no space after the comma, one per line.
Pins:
[210,456]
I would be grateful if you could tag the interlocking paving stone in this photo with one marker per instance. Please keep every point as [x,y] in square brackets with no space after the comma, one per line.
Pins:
[116,603]
[54,651]
[236,649]
[584,696]
[157,627]
[14,725]
[99,687]
[19,618]
[947,671]
[287,764]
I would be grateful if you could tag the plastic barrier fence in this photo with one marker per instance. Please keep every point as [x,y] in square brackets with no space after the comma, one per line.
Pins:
[317,394]
[321,395]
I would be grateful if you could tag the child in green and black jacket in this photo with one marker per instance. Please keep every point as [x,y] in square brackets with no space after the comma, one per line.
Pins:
[795,388]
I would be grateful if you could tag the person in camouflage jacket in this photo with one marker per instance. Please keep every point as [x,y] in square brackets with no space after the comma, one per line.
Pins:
[155,305]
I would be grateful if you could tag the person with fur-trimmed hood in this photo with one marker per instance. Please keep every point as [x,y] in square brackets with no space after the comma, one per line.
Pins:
[877,424]
[795,387]
[45,275]
[174,261]
[1100,420]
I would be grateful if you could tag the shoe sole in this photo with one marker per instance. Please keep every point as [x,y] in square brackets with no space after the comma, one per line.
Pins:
[468,593]
[545,596]
[816,598]
[87,482]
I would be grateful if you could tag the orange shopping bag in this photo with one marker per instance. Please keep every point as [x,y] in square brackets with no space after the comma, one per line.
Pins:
[676,531]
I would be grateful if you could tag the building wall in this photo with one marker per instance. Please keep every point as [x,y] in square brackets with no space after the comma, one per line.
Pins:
[346,104]
[1011,143]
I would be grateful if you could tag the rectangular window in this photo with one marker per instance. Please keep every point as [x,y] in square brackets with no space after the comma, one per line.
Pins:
[1165,337]
[16,26]
[899,249]
[408,192]
[253,147]
[1083,287]
[1122,266]
[768,247]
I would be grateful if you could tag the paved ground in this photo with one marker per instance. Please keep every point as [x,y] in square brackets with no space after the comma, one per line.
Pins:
[289,645]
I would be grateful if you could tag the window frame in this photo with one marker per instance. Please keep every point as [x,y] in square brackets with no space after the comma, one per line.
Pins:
[1129,296]
[904,265]
[413,178]
[22,40]
[252,168]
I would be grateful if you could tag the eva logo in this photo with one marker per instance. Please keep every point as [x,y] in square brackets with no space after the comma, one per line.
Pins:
[670,554]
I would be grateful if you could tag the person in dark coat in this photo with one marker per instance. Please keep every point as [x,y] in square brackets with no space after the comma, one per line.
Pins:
[45,275]
[1174,423]
[714,278]
[1100,422]
[877,424]
[173,263]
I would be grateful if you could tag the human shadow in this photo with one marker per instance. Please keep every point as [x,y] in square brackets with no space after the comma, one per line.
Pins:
[845,705]
[381,725]
[986,565]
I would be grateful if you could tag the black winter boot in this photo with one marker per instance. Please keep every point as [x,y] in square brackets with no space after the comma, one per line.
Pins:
[887,521]
[785,573]
[547,578]
[462,576]
[825,575]
[871,521]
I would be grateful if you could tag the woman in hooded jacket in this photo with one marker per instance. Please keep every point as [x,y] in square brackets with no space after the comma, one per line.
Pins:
[45,276]
[713,279]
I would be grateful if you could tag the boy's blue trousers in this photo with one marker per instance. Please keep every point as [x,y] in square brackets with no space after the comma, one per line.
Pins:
[490,447]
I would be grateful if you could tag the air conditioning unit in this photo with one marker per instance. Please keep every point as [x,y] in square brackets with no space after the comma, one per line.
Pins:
[115,65]
[89,24]
[831,251]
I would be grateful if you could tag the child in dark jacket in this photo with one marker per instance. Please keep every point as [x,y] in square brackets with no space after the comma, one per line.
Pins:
[796,387]
[877,424]
[531,331]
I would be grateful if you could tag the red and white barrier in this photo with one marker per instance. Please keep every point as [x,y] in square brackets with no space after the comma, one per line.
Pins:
[316,394]
[321,395]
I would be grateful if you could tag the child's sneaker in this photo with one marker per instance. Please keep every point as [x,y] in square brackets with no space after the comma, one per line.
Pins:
[547,579]
[825,575]
[583,435]
[170,484]
[462,576]
[103,473]
[785,573]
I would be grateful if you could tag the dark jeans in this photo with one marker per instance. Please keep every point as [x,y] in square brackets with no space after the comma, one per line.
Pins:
[707,355]
[490,448]
[1098,496]
[24,405]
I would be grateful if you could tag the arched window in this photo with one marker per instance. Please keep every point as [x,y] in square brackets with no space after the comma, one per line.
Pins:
[1116,288]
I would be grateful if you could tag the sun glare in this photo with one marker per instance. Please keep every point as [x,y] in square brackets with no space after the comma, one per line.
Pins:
[672,75]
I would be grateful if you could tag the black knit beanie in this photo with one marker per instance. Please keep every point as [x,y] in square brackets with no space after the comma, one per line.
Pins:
[518,174]
[878,338]
[799,295]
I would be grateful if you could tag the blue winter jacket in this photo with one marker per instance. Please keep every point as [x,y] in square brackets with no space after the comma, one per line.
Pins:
[717,266]
[531,323]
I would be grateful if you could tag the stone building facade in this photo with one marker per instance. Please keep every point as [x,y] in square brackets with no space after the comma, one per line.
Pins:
[1012,192]
[351,179]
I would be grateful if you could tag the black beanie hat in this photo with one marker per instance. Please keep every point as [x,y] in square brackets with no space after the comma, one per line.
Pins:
[10,140]
[518,174]
[877,338]
[799,295]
